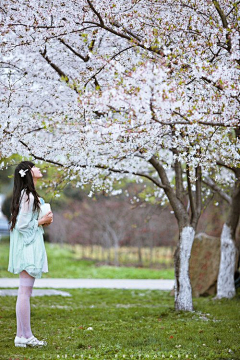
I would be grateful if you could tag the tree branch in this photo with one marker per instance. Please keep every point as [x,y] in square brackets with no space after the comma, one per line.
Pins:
[224,22]
[40,157]
[160,185]
[210,183]
[56,68]
[96,12]
[34,130]
[198,208]
[187,122]
[115,23]
[178,172]
[153,49]
[238,2]
[219,87]
[178,177]
[85,59]
[111,58]
[190,194]
[9,65]
[36,26]
[220,13]
[221,163]
[178,207]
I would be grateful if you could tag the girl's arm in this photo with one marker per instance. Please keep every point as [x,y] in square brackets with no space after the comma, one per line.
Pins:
[25,224]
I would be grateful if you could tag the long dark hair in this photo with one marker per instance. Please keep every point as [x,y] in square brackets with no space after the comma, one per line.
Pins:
[20,183]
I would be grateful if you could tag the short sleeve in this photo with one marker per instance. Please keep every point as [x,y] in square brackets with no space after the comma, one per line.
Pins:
[26,224]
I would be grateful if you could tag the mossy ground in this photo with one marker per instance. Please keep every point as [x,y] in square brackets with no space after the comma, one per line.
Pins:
[126,324]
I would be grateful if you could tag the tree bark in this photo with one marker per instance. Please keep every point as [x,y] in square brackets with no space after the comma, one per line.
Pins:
[183,289]
[225,282]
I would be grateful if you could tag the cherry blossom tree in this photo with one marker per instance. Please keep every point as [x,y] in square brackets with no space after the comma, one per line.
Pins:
[112,89]
[229,252]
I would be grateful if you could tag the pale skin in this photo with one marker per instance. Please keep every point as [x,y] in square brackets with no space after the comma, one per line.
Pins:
[48,218]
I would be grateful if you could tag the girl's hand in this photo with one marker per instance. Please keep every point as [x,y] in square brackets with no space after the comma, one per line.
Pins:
[45,225]
[46,219]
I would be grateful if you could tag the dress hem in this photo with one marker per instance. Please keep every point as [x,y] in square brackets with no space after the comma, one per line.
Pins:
[38,276]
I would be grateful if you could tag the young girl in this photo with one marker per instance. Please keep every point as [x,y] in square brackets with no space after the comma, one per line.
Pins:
[27,254]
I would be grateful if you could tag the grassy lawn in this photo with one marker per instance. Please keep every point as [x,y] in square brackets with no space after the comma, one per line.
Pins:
[126,324]
[64,262]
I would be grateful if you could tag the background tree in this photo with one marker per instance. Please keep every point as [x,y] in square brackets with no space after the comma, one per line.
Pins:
[229,251]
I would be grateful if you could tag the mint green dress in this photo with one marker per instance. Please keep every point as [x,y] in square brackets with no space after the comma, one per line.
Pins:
[27,250]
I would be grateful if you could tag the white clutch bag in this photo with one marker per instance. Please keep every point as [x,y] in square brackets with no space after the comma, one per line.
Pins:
[44,209]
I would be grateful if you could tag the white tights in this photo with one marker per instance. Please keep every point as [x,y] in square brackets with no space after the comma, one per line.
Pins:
[26,283]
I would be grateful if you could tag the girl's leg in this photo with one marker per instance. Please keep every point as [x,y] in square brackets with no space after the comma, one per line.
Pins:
[23,305]
[19,326]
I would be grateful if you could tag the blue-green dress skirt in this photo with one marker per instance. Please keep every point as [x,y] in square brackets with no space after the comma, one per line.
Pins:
[27,250]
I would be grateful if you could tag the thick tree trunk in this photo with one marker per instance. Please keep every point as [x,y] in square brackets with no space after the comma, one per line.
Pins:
[225,282]
[183,289]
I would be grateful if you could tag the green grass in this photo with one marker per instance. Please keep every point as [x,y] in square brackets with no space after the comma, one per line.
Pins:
[127,324]
[64,262]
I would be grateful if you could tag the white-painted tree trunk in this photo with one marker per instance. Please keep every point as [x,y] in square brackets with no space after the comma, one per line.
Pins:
[183,289]
[225,282]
